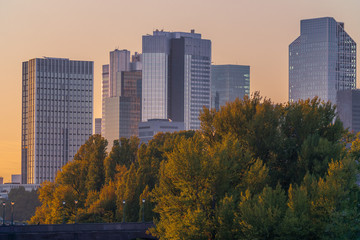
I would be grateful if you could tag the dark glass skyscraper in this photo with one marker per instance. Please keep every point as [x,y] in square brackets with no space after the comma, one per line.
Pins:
[57,107]
[229,82]
[348,108]
[322,60]
[176,77]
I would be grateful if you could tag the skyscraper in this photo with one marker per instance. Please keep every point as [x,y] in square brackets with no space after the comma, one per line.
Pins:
[322,60]
[97,125]
[176,77]
[121,96]
[229,82]
[57,110]
[105,94]
[348,108]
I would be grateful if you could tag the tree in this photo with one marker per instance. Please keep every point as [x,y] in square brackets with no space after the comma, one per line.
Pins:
[260,215]
[25,204]
[78,178]
[282,136]
[184,195]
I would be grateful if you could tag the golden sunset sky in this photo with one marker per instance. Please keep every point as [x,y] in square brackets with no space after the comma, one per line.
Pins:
[247,32]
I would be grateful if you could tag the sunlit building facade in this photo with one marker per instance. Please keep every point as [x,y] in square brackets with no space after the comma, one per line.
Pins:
[121,96]
[322,60]
[176,77]
[57,111]
[104,93]
[229,82]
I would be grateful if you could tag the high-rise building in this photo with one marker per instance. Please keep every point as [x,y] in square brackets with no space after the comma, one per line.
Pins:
[105,93]
[136,62]
[97,125]
[57,107]
[121,108]
[322,60]
[176,77]
[348,108]
[229,82]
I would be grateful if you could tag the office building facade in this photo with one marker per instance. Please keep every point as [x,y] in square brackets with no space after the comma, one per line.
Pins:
[176,77]
[229,82]
[348,108]
[322,60]
[104,93]
[148,129]
[121,107]
[16,178]
[57,112]
[97,125]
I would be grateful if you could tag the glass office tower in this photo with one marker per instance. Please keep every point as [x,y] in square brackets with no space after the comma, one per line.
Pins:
[176,77]
[348,108]
[122,114]
[121,96]
[229,82]
[322,60]
[57,110]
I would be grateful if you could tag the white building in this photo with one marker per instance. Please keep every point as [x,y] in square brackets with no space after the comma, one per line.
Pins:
[148,129]
[57,113]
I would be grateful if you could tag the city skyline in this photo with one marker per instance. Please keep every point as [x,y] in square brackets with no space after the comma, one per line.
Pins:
[242,32]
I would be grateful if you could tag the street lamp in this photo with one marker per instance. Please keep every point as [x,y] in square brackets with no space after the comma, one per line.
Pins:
[3,204]
[143,215]
[63,211]
[76,203]
[12,212]
[124,210]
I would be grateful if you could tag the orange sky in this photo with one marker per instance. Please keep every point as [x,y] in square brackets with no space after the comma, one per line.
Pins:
[255,33]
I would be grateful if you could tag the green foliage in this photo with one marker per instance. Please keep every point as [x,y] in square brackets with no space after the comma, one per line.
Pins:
[78,180]
[25,204]
[185,193]
[260,215]
[255,170]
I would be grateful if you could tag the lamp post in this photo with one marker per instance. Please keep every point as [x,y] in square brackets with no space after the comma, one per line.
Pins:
[3,204]
[124,210]
[12,212]
[76,203]
[143,215]
[63,211]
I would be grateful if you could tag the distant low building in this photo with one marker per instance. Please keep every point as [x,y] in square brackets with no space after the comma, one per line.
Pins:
[6,188]
[1,180]
[147,130]
[348,108]
[16,178]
